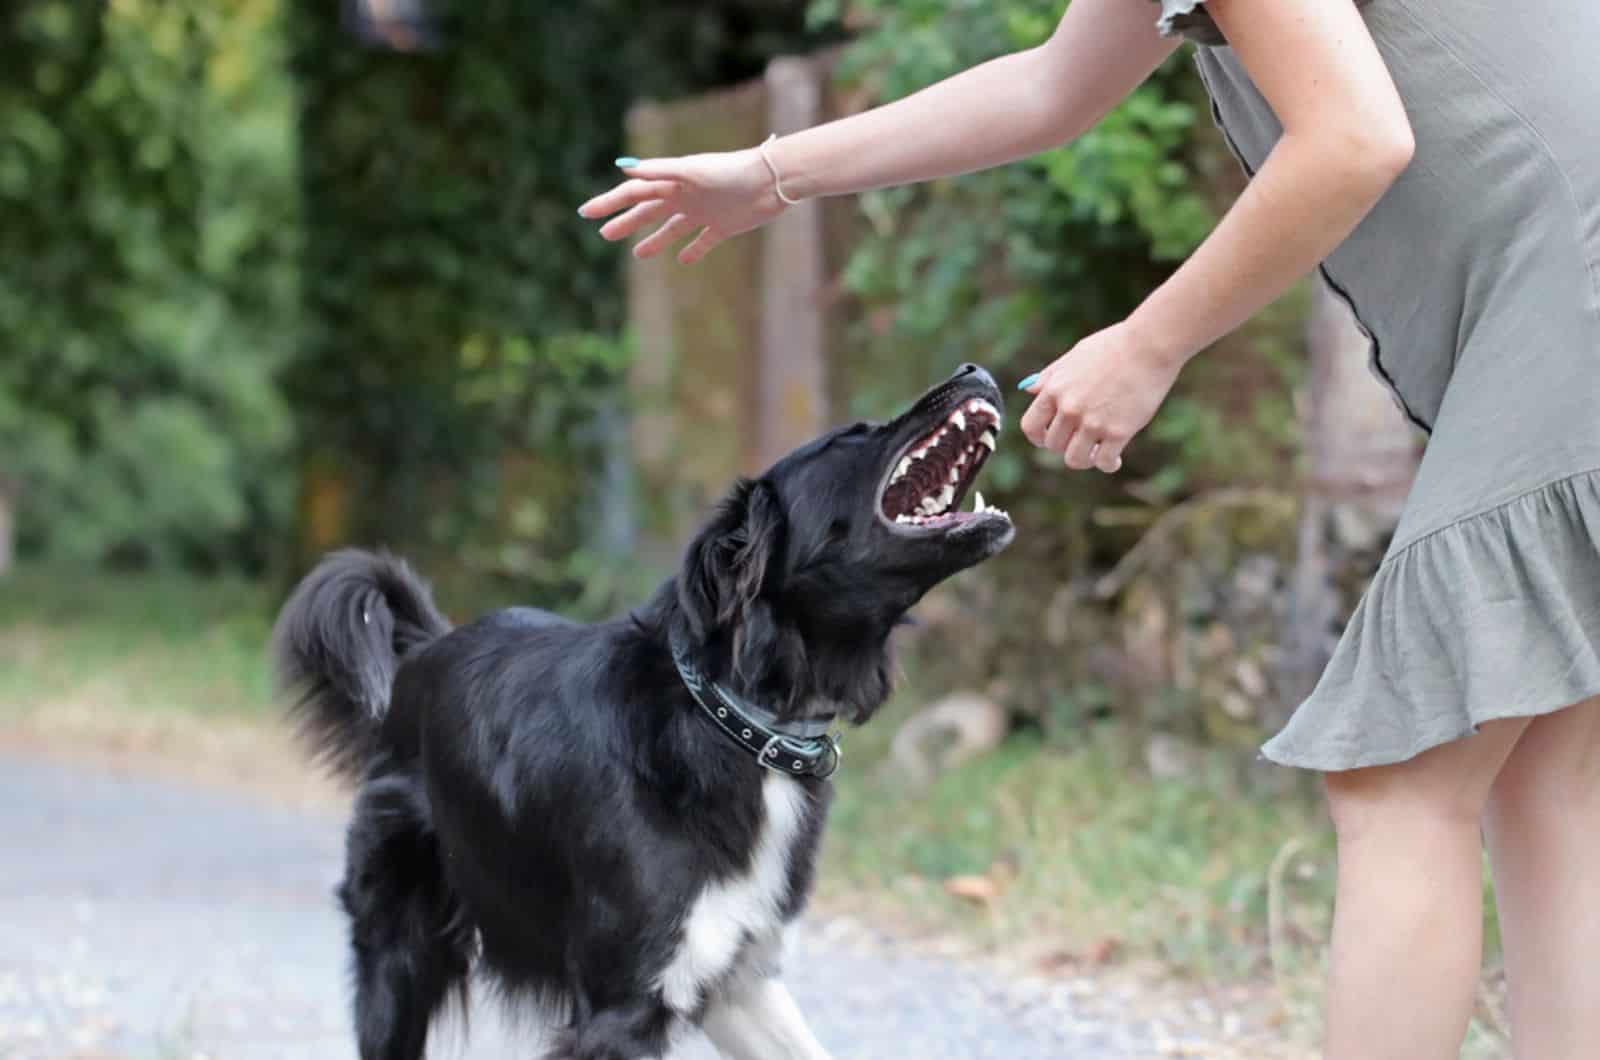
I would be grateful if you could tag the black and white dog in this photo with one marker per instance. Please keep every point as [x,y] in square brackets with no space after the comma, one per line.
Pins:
[616,822]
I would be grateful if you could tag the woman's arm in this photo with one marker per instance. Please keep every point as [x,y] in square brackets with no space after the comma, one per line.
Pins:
[1345,140]
[997,112]
[994,113]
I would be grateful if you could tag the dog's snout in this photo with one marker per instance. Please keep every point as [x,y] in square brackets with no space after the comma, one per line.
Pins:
[970,369]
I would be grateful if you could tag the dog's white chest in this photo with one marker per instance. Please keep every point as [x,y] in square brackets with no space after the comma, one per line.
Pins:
[742,908]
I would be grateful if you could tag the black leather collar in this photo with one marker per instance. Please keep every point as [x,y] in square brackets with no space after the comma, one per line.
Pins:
[797,749]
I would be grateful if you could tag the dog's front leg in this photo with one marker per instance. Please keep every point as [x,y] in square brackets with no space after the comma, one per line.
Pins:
[759,1021]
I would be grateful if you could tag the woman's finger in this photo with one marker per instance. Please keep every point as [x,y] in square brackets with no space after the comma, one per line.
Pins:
[1079,452]
[625,225]
[628,193]
[1108,456]
[1036,421]
[652,168]
[703,244]
[1062,430]
[676,228]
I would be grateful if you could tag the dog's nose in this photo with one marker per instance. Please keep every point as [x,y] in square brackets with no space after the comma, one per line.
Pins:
[970,369]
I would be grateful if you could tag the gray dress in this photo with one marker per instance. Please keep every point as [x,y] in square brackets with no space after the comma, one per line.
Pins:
[1478,279]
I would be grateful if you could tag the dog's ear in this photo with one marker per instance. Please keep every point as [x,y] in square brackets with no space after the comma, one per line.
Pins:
[731,560]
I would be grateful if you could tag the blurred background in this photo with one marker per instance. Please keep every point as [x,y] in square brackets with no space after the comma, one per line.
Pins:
[282,275]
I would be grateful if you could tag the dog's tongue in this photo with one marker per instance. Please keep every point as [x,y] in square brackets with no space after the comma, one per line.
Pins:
[947,519]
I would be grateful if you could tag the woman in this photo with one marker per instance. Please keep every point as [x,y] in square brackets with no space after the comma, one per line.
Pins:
[1437,158]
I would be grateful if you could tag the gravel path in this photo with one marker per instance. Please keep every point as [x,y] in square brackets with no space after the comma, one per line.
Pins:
[144,918]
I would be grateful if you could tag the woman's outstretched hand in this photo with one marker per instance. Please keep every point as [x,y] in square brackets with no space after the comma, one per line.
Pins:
[1095,397]
[711,197]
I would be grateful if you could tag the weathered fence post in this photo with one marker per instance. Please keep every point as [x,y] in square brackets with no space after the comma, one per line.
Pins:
[8,526]
[793,365]
[731,366]
[697,334]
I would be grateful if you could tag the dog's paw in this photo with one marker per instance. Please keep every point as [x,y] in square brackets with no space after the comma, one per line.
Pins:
[574,1046]
[615,1034]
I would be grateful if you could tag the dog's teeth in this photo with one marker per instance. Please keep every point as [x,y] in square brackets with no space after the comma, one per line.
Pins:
[977,501]
[902,518]
[900,472]
[955,475]
[958,421]
[990,440]
[946,497]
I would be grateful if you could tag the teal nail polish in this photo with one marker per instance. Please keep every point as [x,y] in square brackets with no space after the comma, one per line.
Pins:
[1026,383]
[627,162]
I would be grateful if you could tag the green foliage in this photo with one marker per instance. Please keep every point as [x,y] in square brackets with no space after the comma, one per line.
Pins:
[1011,266]
[1028,257]
[1014,265]
[147,292]
[160,273]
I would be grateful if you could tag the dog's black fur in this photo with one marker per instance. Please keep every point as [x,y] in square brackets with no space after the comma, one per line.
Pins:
[549,791]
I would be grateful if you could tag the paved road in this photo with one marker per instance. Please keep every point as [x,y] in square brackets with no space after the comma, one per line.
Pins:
[142,918]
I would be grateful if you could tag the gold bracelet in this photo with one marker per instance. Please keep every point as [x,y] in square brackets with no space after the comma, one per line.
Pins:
[777,181]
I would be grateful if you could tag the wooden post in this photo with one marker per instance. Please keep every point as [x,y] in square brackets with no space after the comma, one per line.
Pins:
[731,368]
[8,526]
[793,385]
[694,383]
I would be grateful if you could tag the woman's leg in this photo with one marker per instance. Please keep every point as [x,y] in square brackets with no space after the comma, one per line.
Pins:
[1408,919]
[1544,843]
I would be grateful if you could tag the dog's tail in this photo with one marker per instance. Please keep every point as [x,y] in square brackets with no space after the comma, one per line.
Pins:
[338,643]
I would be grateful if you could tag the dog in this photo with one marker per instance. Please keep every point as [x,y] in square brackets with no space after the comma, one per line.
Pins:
[616,822]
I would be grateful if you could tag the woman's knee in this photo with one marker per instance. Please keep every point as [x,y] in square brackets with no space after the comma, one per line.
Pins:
[1356,799]
[1378,800]
[1445,787]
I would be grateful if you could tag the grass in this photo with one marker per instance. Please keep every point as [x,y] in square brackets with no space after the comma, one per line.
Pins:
[132,644]
[1087,853]
[1085,860]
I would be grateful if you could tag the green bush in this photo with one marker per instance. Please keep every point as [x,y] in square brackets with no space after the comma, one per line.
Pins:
[1012,265]
[146,277]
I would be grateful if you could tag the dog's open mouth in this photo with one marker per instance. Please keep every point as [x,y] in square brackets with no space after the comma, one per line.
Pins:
[931,476]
